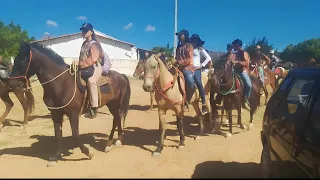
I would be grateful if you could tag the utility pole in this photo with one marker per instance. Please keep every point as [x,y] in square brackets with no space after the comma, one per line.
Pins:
[175,29]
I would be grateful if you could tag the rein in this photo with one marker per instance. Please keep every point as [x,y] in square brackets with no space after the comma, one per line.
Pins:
[162,91]
[233,83]
[73,67]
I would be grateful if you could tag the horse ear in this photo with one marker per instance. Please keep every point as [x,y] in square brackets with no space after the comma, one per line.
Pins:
[24,47]
[159,54]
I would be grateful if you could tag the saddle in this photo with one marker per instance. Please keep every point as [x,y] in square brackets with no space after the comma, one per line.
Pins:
[104,84]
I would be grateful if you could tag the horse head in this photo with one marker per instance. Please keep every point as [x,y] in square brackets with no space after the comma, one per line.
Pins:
[222,72]
[23,67]
[151,72]
[139,69]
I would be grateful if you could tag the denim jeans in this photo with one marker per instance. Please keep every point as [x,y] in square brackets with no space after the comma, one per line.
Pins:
[247,84]
[261,74]
[197,79]
[188,76]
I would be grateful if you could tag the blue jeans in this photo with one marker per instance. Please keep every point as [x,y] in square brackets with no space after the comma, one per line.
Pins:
[188,76]
[261,74]
[247,84]
[197,79]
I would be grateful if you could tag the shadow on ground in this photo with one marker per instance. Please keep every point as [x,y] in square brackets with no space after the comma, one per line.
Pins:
[142,108]
[219,169]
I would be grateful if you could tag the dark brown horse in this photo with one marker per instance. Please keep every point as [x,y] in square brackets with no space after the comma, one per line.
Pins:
[229,85]
[63,94]
[25,98]
[138,73]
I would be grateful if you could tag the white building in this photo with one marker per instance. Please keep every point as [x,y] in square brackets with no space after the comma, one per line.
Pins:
[123,55]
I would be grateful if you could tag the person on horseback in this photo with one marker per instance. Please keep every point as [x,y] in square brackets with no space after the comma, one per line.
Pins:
[198,52]
[259,60]
[274,59]
[90,56]
[184,61]
[242,61]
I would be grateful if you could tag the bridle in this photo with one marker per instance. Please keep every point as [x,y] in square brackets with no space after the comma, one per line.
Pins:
[222,84]
[25,74]
[169,85]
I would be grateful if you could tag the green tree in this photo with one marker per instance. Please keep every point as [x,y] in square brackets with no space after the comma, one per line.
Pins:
[10,37]
[263,43]
[166,49]
[303,51]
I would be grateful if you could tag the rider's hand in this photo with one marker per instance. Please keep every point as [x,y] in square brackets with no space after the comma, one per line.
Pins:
[234,61]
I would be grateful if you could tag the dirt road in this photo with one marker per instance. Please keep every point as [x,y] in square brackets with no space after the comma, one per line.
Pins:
[24,153]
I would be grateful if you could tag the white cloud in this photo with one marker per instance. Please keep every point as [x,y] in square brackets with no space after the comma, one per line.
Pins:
[150,28]
[128,26]
[52,23]
[46,33]
[83,18]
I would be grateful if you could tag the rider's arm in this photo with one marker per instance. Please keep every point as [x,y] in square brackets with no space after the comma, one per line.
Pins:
[188,56]
[268,60]
[206,55]
[93,57]
[246,60]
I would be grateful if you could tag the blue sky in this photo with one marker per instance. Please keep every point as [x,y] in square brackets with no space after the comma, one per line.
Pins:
[218,22]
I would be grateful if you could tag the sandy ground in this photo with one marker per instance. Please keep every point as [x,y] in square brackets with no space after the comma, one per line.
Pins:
[24,153]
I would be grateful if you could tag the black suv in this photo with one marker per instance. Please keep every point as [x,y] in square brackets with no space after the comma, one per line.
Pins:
[291,127]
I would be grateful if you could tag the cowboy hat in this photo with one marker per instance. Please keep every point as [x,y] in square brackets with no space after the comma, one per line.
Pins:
[196,37]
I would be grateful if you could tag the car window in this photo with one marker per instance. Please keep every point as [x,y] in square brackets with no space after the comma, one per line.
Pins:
[286,83]
[300,91]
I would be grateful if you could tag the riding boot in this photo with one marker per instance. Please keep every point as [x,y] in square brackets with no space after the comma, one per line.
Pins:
[92,113]
[246,104]
[186,107]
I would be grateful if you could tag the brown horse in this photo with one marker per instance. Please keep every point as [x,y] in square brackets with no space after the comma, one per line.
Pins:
[269,79]
[170,94]
[65,95]
[229,85]
[138,73]
[25,98]
[280,73]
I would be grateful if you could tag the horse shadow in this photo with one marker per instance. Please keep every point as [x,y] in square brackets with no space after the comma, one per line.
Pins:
[219,169]
[141,108]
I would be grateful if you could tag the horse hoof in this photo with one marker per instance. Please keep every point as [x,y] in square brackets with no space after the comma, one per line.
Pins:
[52,163]
[181,147]
[90,156]
[228,135]
[118,143]
[156,154]
[197,138]
[250,126]
[107,149]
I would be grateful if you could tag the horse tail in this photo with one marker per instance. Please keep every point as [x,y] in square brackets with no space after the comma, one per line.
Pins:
[30,99]
[124,106]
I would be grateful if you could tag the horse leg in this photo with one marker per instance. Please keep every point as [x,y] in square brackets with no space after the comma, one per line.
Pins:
[181,132]
[114,110]
[200,119]
[250,122]
[266,95]
[74,122]
[22,99]
[162,128]
[151,100]
[229,112]
[57,117]
[9,104]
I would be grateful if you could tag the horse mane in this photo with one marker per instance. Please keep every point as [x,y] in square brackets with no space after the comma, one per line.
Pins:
[49,52]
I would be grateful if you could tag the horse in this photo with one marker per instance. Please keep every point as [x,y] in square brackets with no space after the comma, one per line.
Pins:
[231,87]
[280,73]
[55,77]
[138,73]
[169,87]
[269,79]
[25,98]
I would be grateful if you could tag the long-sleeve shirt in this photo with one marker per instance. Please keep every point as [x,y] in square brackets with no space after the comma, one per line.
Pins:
[184,57]
[197,53]
[89,57]
[244,61]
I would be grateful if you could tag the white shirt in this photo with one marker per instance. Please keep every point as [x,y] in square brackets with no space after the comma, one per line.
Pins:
[197,53]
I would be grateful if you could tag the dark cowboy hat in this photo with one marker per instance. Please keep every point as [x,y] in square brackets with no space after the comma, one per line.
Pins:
[86,27]
[229,46]
[183,32]
[196,38]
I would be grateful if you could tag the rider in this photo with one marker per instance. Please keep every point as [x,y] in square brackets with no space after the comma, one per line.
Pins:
[260,60]
[91,57]
[184,60]
[242,61]
[275,60]
[199,51]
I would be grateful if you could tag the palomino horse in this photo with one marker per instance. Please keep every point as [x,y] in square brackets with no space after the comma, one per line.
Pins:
[269,79]
[229,85]
[25,98]
[138,73]
[170,94]
[56,77]
[280,73]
